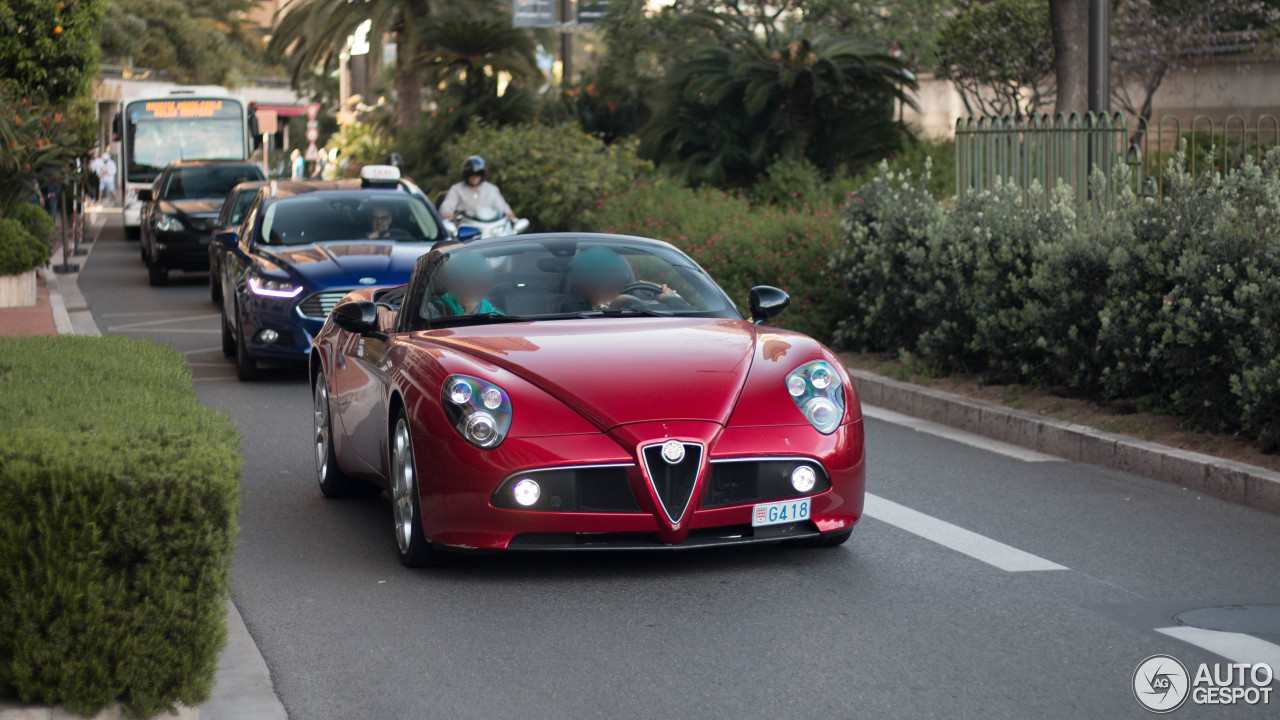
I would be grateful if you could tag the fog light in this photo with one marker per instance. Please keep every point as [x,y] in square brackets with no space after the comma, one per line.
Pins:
[527,492]
[803,479]
[268,336]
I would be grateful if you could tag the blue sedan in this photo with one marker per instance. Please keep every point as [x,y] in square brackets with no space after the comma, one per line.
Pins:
[302,246]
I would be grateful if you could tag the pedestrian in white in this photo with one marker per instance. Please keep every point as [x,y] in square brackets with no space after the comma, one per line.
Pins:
[107,183]
[95,167]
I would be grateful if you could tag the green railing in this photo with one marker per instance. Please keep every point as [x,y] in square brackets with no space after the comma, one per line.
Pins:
[1049,149]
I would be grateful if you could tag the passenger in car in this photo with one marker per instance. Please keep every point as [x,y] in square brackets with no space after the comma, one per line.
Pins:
[466,279]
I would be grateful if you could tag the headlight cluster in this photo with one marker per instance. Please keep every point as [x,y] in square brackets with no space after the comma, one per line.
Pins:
[815,388]
[273,288]
[480,411]
[168,223]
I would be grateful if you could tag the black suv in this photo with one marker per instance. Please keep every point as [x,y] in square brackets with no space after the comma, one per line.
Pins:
[180,213]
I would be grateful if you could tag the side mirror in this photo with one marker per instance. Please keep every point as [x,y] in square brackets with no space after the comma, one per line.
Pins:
[766,302]
[144,195]
[226,240]
[356,317]
[468,233]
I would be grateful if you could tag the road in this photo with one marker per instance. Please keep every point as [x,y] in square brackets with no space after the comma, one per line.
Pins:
[981,585]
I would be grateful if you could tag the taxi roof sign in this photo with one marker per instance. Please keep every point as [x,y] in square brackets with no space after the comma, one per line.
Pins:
[379,175]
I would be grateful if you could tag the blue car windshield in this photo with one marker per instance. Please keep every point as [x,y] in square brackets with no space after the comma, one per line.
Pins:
[566,279]
[372,215]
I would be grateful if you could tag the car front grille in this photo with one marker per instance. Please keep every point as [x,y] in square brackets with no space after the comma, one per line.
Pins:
[587,489]
[751,480]
[319,305]
[673,482]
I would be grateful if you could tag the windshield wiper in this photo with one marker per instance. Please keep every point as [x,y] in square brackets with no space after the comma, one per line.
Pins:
[621,312]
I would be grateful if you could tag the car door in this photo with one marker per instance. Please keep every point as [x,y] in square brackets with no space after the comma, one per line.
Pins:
[236,262]
[360,375]
[147,216]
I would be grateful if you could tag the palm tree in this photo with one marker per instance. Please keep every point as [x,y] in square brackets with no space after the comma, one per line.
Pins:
[473,48]
[745,100]
[313,33]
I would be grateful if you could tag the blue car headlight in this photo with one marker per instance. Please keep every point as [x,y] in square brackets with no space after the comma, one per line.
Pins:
[480,411]
[168,223]
[816,390]
[273,288]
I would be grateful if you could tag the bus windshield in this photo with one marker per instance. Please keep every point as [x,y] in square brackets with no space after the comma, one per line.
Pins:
[160,131]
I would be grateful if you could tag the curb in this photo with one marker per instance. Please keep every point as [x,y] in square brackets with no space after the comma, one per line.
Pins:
[1226,479]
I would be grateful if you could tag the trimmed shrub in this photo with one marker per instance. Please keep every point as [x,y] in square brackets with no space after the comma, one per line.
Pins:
[34,219]
[740,247]
[550,174]
[20,251]
[118,499]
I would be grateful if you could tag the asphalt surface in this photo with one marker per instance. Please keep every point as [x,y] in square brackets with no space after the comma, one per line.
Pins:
[895,624]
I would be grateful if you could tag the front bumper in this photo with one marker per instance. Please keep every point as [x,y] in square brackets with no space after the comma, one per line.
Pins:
[182,250]
[457,489]
[295,331]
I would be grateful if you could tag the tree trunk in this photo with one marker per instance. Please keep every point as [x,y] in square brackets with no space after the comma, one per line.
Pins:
[408,83]
[1069,20]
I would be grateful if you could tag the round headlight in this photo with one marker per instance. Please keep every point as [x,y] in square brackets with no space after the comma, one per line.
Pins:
[526,492]
[481,429]
[803,478]
[823,413]
[460,393]
[820,376]
[796,386]
[492,398]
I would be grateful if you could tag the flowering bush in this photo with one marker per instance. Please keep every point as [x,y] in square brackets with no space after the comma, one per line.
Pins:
[1172,303]
[739,245]
[20,251]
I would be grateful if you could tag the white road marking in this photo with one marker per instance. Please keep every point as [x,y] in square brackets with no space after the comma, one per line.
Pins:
[960,436]
[976,546]
[1236,647]
[163,330]
[148,313]
[202,350]
[148,323]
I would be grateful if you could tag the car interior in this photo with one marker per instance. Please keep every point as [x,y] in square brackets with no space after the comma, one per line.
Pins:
[305,220]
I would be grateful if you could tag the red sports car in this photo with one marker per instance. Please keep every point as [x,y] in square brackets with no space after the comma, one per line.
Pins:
[577,391]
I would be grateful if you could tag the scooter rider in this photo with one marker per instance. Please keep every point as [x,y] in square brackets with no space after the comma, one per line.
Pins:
[473,193]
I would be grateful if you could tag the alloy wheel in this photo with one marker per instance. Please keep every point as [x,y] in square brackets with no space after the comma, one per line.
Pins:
[403,485]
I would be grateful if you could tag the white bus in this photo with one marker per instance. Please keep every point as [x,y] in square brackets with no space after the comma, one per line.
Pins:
[186,123]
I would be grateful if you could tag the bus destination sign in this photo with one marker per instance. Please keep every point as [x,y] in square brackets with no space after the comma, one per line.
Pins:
[169,109]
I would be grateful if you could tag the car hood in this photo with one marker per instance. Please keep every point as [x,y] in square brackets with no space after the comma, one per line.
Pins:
[195,207]
[619,371]
[358,262]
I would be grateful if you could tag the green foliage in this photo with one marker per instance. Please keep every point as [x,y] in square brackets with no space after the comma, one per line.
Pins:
[743,100]
[118,499]
[999,55]
[20,251]
[937,157]
[195,41]
[1174,304]
[357,145]
[740,246]
[550,174]
[49,48]
[34,219]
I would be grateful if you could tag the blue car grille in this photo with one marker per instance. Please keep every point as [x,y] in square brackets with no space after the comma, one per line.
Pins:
[319,305]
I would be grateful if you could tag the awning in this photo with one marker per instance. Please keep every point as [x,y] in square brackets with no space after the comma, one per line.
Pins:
[285,110]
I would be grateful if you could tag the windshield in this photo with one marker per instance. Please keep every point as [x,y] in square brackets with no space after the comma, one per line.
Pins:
[207,181]
[565,279]
[239,203]
[157,132]
[485,214]
[374,215]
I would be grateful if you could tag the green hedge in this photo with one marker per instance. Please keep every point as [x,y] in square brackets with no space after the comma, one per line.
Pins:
[118,499]
[739,245]
[551,174]
[1172,303]
[20,251]
[34,219]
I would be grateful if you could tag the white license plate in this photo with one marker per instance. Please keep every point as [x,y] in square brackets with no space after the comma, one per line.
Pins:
[777,513]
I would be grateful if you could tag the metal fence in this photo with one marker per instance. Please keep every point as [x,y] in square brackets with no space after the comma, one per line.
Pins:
[1053,149]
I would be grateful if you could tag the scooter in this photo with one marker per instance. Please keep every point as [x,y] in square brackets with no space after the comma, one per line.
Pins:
[485,223]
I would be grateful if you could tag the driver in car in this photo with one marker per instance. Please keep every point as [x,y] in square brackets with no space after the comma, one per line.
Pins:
[598,278]
[379,223]
[474,194]
[466,279]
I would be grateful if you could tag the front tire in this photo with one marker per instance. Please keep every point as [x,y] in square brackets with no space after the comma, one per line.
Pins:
[333,482]
[157,275]
[406,503]
[228,339]
[246,366]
